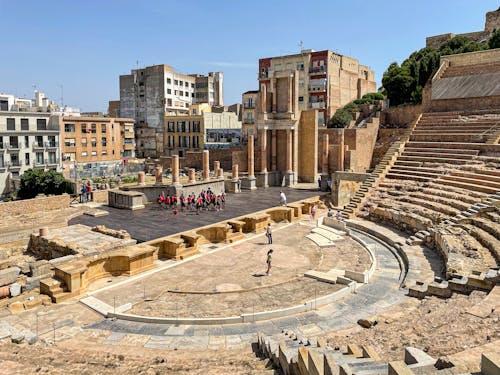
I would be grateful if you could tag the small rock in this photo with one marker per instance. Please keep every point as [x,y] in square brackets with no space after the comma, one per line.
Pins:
[121,357]
[367,323]
[15,290]
[443,363]
[17,338]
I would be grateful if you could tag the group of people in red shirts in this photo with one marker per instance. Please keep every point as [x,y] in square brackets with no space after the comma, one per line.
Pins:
[206,200]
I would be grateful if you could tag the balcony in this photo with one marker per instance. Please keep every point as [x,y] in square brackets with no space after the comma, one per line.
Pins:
[317,70]
[317,105]
[249,105]
[51,144]
[38,145]
[2,147]
[317,88]
[249,121]
[14,164]
[13,146]
[53,161]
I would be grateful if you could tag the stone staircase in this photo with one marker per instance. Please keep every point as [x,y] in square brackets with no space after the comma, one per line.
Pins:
[296,355]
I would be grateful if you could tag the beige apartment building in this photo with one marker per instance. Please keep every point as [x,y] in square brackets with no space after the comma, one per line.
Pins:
[200,129]
[102,143]
[322,80]
[249,100]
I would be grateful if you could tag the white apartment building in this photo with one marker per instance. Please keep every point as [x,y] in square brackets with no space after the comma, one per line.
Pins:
[27,140]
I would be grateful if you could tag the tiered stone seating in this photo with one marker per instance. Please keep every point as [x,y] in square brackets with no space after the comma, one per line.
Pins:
[465,70]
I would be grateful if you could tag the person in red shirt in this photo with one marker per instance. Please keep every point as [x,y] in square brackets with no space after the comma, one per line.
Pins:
[167,201]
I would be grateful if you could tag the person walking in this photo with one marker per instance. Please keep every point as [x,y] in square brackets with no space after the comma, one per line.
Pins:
[268,261]
[282,198]
[269,234]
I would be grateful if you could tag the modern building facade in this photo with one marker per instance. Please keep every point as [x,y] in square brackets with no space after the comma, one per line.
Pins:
[201,129]
[101,143]
[322,80]
[297,95]
[27,140]
[249,100]
[150,93]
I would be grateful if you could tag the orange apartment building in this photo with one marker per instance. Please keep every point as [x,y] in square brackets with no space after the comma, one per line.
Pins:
[101,143]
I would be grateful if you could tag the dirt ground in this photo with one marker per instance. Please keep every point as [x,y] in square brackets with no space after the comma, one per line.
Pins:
[71,357]
[439,327]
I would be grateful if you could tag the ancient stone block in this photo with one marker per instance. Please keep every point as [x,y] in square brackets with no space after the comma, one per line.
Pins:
[15,290]
[16,307]
[40,267]
[9,275]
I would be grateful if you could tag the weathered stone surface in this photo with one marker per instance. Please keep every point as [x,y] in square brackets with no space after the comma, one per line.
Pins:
[17,338]
[15,290]
[40,267]
[367,323]
[16,307]
[9,275]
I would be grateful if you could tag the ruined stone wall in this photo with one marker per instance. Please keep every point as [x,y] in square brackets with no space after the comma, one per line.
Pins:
[345,185]
[361,145]
[385,138]
[399,117]
[473,58]
[20,207]
[463,104]
[194,159]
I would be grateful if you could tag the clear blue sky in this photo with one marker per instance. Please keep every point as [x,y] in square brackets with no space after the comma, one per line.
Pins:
[86,44]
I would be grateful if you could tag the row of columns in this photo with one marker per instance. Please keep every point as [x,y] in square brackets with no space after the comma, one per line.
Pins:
[273,90]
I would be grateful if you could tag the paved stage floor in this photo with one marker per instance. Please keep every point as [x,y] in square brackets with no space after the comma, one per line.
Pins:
[154,221]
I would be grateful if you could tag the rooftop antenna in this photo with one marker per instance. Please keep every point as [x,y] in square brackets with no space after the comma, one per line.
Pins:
[34,87]
[301,45]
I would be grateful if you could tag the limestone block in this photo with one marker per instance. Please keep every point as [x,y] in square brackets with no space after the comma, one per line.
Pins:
[32,303]
[367,323]
[9,275]
[25,267]
[16,307]
[17,338]
[40,267]
[29,337]
[15,290]
[490,363]
[399,368]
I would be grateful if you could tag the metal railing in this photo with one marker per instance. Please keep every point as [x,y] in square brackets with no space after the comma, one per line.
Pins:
[320,69]
[12,146]
[249,105]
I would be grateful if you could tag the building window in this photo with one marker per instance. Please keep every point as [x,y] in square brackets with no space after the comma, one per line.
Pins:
[104,153]
[176,92]
[169,80]
[196,126]
[84,128]
[103,128]
[186,126]
[93,128]
[93,142]
[84,142]
[169,102]
[69,128]
[52,157]
[11,124]
[127,153]
[13,142]
[195,141]
[41,124]
[71,142]
[94,153]
[103,141]
[186,93]
[27,159]
[84,154]
[69,156]
[39,141]
[169,91]
[180,126]
[301,99]
[192,94]
[171,141]
[39,157]
[181,93]
[300,66]
[25,124]
[171,126]
[192,85]
[176,82]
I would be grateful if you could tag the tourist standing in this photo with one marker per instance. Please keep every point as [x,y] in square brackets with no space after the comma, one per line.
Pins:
[269,234]
[89,191]
[282,198]
[84,194]
[268,261]
[313,211]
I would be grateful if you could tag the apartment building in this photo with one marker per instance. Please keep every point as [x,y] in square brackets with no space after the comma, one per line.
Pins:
[201,129]
[102,143]
[150,93]
[325,80]
[28,140]
[249,100]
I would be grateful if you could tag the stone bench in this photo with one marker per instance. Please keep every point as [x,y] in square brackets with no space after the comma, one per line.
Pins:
[237,230]
[215,233]
[297,210]
[280,214]
[256,223]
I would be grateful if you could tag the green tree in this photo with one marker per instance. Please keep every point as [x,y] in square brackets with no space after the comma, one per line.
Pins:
[398,83]
[494,41]
[36,181]
[340,119]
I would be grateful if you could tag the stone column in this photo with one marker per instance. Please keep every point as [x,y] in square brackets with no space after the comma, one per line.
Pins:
[216,168]
[159,175]
[263,97]
[263,150]
[324,155]
[175,169]
[324,163]
[251,172]
[340,155]
[206,165]
[250,182]
[220,173]
[191,175]
[289,151]
[273,150]
[289,96]
[235,172]
[274,94]
[141,178]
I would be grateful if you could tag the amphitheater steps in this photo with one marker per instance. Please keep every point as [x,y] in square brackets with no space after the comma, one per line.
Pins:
[399,176]
[489,242]
[454,204]
[477,176]
[459,190]
[438,155]
[444,144]
[442,150]
[474,185]
[435,159]
[415,209]
[420,172]
[449,137]
[488,234]
[433,206]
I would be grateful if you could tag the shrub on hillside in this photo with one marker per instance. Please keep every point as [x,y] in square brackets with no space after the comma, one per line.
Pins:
[340,119]
[37,181]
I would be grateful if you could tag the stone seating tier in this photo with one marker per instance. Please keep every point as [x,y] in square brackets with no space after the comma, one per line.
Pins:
[465,70]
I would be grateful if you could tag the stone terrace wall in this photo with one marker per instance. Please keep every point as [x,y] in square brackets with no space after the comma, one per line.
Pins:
[194,159]
[20,207]
[473,58]
[399,117]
